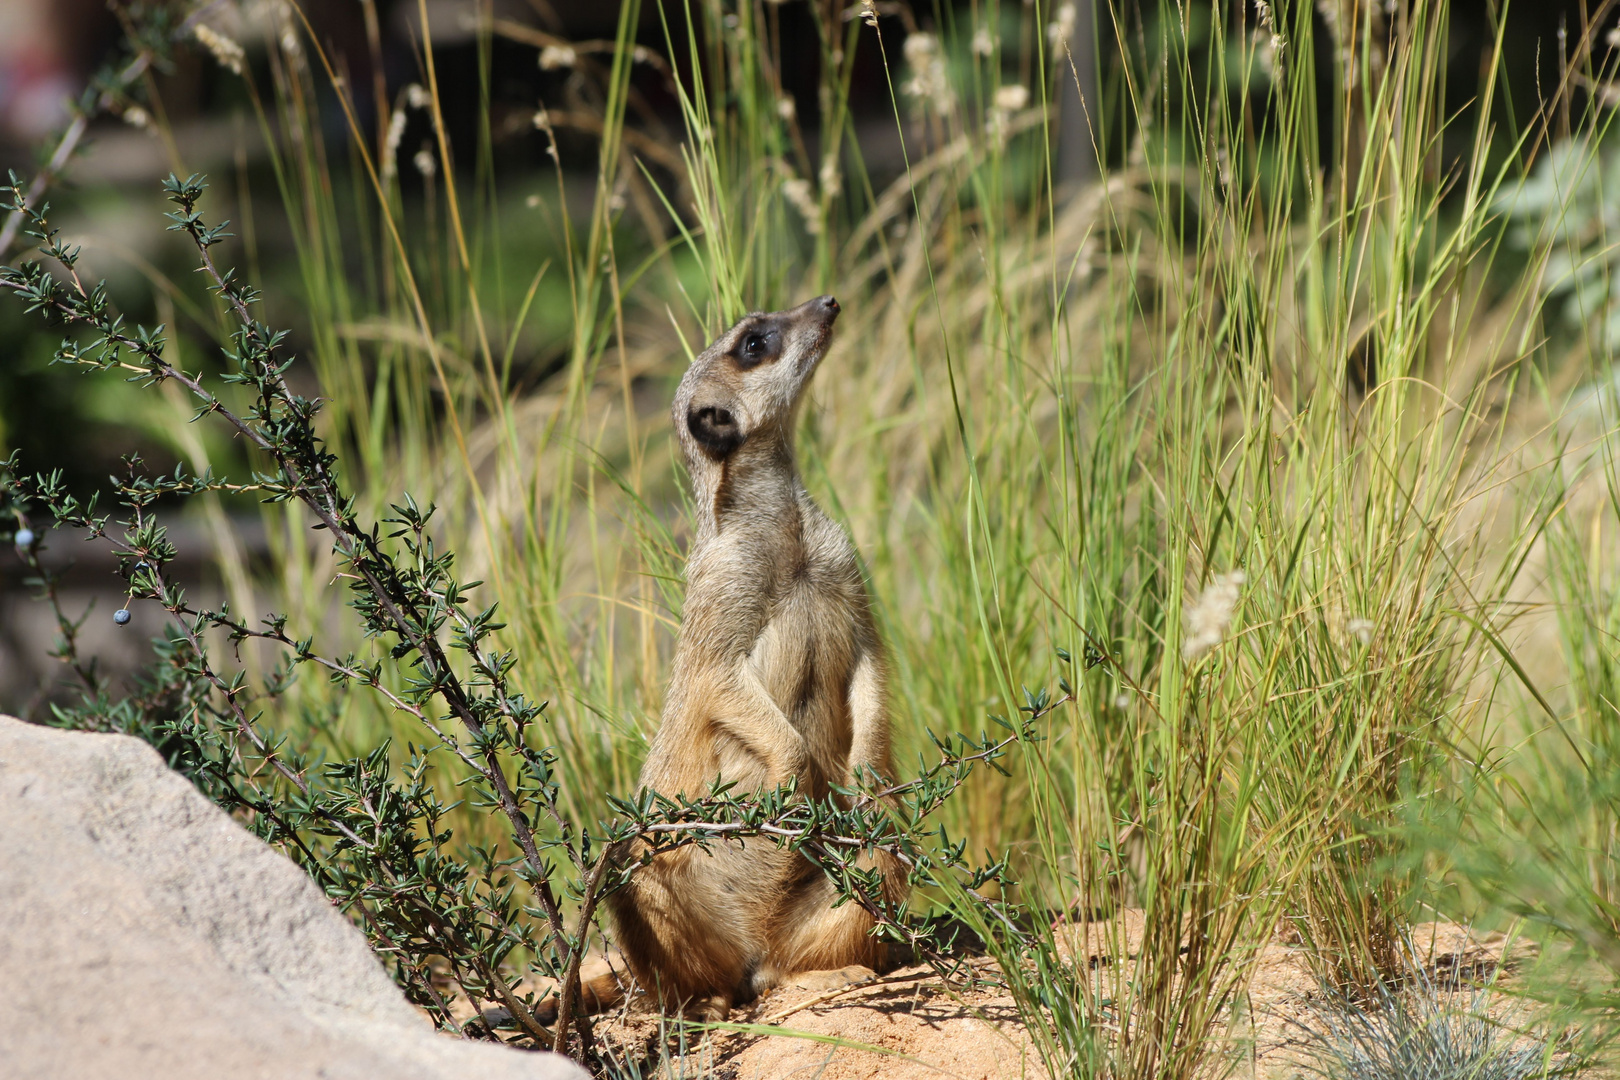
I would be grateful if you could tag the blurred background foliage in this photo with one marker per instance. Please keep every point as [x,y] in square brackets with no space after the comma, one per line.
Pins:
[491,84]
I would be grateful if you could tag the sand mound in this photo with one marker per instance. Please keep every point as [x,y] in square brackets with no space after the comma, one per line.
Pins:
[910,1024]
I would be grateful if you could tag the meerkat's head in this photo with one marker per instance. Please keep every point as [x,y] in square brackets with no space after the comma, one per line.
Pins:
[744,390]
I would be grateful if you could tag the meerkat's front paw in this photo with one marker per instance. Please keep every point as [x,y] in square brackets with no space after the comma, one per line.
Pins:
[838,979]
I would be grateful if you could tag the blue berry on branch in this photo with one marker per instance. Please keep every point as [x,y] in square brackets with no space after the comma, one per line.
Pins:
[121,616]
[25,538]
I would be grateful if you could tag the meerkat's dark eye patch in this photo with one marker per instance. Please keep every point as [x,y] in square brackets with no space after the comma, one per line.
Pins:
[716,430]
[757,345]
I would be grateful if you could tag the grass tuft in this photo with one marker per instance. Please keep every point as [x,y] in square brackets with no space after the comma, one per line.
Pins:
[1423,1033]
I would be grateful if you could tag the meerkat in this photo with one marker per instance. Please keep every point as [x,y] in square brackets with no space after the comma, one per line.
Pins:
[778,673]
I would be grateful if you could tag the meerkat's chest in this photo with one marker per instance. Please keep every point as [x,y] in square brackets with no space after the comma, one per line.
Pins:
[806,652]
[809,626]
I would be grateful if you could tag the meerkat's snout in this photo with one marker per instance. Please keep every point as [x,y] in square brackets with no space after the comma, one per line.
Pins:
[817,317]
[823,309]
[806,331]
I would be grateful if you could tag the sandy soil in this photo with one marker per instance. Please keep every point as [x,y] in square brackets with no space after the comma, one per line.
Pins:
[904,1026]
[909,1024]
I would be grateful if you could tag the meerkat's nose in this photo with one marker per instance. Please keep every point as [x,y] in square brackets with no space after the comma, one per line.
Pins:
[828,304]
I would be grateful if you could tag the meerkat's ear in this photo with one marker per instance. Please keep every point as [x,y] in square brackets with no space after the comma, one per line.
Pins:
[715,427]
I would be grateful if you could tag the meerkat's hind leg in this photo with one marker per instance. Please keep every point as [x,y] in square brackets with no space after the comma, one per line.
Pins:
[686,931]
[711,1009]
[814,936]
[853,975]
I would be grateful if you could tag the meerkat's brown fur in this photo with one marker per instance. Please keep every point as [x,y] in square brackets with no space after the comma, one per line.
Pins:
[779,672]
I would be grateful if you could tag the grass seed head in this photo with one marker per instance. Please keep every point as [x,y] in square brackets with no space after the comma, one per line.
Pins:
[1209,618]
[556,57]
[1061,28]
[928,84]
[225,49]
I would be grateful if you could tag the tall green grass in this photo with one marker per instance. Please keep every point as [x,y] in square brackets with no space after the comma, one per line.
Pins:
[1125,435]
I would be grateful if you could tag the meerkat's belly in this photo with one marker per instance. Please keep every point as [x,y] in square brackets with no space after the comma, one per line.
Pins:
[804,659]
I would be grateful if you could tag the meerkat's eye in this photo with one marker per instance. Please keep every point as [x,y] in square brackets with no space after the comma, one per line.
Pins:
[755,348]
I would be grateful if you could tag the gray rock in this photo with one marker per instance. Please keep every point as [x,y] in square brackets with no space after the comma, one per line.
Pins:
[143,933]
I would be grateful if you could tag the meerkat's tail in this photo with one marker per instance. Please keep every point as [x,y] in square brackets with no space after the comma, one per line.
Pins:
[601,987]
